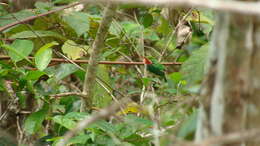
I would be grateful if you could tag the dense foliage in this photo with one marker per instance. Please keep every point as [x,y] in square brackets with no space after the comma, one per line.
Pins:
[30,80]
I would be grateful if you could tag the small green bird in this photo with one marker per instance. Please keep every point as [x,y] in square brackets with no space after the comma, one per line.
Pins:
[155,67]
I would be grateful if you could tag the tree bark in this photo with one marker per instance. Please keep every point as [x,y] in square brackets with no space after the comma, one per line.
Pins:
[231,91]
[98,44]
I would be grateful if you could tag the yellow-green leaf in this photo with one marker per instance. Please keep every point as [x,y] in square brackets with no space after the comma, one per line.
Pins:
[73,50]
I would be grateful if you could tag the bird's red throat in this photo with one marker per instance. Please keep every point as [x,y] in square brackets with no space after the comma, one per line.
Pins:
[147,61]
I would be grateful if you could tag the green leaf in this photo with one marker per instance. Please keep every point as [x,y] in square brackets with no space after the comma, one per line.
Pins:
[79,21]
[34,121]
[34,75]
[73,50]
[43,56]
[69,120]
[11,49]
[193,69]
[147,81]
[124,130]
[138,123]
[164,26]
[150,34]
[76,115]
[36,34]
[64,121]
[7,19]
[101,97]
[147,20]
[22,47]
[189,126]
[64,70]
[105,126]
[81,139]
[132,29]
[176,77]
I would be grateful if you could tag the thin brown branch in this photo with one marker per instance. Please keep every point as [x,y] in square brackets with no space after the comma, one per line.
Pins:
[100,62]
[67,94]
[232,137]
[37,16]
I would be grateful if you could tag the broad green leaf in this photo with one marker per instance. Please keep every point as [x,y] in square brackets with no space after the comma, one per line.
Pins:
[76,115]
[34,75]
[101,97]
[189,126]
[105,126]
[176,77]
[193,69]
[113,29]
[36,34]
[9,48]
[73,50]
[123,130]
[146,20]
[64,70]
[132,29]
[43,56]
[64,121]
[34,122]
[7,19]
[22,49]
[164,26]
[138,123]
[69,120]
[150,34]
[81,139]
[79,21]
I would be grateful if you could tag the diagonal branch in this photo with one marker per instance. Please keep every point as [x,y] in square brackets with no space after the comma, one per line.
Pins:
[37,16]
[98,44]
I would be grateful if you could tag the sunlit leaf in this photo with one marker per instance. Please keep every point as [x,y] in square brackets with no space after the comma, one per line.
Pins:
[64,121]
[44,55]
[73,50]
[34,75]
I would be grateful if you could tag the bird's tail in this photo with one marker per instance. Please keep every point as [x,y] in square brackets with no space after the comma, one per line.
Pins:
[164,77]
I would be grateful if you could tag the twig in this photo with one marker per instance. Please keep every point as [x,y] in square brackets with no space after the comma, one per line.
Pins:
[100,62]
[249,8]
[20,134]
[230,138]
[37,16]
[12,104]
[67,94]
[103,113]
[173,33]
